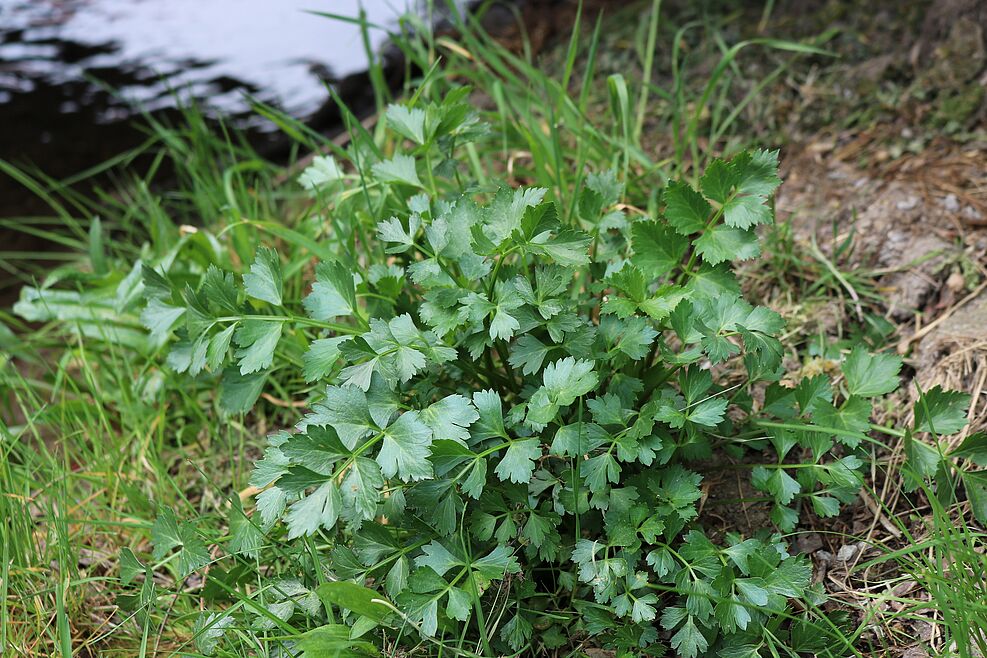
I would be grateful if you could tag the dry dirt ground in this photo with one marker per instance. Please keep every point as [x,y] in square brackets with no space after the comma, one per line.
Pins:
[919,226]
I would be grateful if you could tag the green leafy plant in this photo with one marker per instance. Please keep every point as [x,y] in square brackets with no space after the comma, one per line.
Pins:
[510,410]
[940,413]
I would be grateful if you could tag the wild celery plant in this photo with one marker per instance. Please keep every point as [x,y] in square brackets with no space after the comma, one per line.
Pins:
[507,406]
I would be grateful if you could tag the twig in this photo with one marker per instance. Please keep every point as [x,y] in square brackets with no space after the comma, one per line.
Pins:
[924,331]
[288,404]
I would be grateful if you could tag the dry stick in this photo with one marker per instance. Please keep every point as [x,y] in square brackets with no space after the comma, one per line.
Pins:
[289,404]
[918,335]
[879,517]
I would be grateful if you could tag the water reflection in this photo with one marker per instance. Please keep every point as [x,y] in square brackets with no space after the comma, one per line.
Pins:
[71,71]
[215,49]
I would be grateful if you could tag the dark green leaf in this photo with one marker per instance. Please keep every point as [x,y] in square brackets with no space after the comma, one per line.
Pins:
[975,483]
[941,412]
[870,375]
[657,249]
[130,566]
[727,243]
[689,641]
[334,641]
[239,392]
[685,209]
[168,534]
[357,598]
[974,448]
[518,462]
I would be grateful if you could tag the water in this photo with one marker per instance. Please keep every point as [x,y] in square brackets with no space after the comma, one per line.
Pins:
[216,49]
[71,71]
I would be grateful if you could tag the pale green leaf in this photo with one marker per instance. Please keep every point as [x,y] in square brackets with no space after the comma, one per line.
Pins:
[405,449]
[399,169]
[264,281]
[321,357]
[257,340]
[438,558]
[333,293]
[319,509]
[322,172]
[407,122]
[518,462]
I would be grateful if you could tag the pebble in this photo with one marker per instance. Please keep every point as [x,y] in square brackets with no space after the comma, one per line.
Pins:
[849,552]
[972,213]
[907,203]
[951,203]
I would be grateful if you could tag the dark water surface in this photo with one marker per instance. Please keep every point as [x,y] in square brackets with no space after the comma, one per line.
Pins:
[71,71]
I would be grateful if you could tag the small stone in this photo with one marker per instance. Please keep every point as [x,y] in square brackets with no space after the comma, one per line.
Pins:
[923,630]
[599,653]
[848,552]
[907,203]
[956,282]
[972,649]
[951,203]
[972,213]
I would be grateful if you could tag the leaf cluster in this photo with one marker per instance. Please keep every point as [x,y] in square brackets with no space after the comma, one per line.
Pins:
[515,398]
[510,397]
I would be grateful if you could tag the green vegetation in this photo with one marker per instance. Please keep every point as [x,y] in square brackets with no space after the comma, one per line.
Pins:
[458,387]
